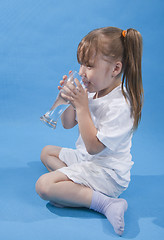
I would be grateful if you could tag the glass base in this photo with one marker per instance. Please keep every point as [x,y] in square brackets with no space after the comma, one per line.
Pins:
[48,121]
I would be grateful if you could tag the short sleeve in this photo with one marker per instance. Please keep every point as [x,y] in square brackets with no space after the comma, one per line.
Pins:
[115,126]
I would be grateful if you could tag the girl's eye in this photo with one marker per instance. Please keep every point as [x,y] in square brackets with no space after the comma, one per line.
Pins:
[89,67]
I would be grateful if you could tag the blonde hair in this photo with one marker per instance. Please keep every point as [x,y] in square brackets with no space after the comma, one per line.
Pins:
[114,44]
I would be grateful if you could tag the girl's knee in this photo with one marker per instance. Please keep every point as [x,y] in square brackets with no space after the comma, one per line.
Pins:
[49,150]
[45,182]
[45,152]
[42,187]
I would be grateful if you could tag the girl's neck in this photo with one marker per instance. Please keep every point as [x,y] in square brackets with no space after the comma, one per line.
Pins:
[104,92]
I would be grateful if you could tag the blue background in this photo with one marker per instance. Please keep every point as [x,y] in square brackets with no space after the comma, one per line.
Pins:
[38,43]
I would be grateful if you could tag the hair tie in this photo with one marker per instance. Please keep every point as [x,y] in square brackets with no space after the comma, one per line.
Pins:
[124,32]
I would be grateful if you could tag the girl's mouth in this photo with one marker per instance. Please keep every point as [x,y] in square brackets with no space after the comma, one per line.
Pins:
[85,82]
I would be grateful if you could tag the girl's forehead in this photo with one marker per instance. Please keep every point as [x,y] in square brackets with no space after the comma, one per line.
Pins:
[87,51]
[95,60]
[87,58]
[90,52]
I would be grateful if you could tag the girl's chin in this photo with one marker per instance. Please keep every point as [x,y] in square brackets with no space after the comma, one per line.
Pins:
[90,89]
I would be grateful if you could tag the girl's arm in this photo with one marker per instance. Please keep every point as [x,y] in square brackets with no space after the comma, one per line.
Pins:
[79,99]
[88,131]
[68,118]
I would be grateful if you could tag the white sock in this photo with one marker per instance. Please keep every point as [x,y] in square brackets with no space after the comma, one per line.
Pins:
[112,208]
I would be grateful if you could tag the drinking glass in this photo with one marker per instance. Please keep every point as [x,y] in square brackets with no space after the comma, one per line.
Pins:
[51,117]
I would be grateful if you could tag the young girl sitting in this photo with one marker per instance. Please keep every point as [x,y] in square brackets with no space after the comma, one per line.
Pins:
[107,112]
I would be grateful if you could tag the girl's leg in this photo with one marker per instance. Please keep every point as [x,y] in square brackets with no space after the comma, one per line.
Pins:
[50,158]
[112,208]
[57,188]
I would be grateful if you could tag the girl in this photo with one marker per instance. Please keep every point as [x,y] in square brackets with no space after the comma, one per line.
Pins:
[107,112]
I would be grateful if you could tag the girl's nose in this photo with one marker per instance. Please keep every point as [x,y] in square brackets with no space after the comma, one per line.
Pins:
[82,71]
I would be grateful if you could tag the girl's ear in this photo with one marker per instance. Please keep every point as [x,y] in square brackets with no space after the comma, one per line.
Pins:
[117,69]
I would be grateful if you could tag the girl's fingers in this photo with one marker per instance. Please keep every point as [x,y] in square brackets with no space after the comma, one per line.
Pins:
[69,86]
[64,77]
[62,82]
[70,89]
[78,84]
[67,97]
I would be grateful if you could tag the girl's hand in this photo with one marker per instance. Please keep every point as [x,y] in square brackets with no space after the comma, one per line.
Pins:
[63,81]
[75,94]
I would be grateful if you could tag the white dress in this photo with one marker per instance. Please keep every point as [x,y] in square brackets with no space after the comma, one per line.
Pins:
[108,171]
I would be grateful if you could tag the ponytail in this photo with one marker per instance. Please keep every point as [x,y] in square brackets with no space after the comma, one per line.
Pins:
[132,76]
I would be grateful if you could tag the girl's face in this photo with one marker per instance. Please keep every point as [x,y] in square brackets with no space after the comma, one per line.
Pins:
[100,78]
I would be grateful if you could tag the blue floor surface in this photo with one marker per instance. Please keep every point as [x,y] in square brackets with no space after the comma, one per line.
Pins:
[38,42]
